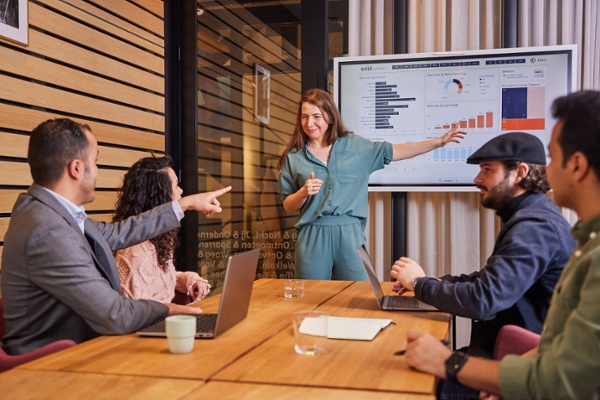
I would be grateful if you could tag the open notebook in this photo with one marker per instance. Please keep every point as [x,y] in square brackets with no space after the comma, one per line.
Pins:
[345,328]
[390,303]
[234,303]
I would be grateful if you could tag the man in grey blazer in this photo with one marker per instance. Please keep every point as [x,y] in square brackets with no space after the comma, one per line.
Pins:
[59,277]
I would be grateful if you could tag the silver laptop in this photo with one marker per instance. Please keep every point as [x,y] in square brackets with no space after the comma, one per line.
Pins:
[234,303]
[390,303]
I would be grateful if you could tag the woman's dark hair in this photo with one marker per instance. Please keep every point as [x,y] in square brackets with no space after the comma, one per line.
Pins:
[147,185]
[535,181]
[323,100]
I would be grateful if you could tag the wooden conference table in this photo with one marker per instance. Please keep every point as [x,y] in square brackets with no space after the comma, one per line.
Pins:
[253,360]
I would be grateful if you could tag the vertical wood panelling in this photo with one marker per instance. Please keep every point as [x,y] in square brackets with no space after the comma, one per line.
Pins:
[97,62]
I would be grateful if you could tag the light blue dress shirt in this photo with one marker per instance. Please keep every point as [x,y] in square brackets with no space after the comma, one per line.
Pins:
[79,215]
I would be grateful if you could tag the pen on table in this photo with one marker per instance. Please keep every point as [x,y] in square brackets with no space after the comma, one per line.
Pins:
[401,352]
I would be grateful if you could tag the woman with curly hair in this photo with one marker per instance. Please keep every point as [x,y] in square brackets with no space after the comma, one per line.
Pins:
[146,270]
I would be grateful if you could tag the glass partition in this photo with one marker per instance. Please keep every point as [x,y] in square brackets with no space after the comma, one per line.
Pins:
[248,88]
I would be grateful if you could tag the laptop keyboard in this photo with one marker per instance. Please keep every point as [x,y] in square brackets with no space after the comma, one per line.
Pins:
[402,302]
[206,322]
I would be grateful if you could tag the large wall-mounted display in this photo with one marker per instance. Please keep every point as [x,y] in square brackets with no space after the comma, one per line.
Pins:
[413,97]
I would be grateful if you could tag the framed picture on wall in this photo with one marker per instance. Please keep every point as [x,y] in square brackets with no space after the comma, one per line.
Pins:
[262,94]
[14,22]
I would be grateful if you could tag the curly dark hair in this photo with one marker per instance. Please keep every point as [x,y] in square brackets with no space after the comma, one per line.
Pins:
[535,181]
[147,185]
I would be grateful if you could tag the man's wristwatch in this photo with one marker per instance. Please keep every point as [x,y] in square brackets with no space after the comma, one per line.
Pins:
[453,364]
[414,283]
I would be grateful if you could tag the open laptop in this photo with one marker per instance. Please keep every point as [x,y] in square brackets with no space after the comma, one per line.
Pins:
[234,303]
[390,303]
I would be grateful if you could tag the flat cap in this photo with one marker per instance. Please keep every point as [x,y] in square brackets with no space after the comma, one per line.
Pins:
[512,146]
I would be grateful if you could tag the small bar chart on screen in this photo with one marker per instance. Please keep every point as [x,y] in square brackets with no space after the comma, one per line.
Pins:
[388,102]
[480,120]
[390,107]
[452,154]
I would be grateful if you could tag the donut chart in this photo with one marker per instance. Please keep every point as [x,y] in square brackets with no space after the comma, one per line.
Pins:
[453,87]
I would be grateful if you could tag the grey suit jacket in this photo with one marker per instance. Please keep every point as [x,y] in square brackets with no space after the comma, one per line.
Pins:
[54,286]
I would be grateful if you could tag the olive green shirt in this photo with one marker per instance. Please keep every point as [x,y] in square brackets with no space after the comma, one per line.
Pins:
[568,361]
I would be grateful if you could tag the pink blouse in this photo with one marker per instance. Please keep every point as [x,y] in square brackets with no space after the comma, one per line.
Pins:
[142,277]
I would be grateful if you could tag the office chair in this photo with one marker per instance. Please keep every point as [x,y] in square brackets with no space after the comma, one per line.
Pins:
[513,339]
[8,361]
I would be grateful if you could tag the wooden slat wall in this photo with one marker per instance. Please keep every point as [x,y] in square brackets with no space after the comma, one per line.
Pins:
[99,62]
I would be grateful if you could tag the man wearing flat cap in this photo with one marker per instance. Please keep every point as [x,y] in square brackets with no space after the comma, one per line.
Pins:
[534,244]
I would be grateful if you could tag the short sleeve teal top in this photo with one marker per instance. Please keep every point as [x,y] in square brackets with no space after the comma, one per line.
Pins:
[345,177]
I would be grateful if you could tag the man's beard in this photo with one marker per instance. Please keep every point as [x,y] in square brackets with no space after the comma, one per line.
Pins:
[498,195]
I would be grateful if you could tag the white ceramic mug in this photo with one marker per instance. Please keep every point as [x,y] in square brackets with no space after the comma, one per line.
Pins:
[181,333]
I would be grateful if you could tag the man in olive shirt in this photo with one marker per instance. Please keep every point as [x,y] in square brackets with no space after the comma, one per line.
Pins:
[566,363]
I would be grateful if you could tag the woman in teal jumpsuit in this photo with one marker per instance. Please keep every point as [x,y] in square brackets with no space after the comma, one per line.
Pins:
[324,174]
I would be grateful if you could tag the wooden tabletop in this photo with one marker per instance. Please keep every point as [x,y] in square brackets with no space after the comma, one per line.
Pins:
[257,354]
[253,391]
[26,384]
[33,384]
[269,313]
[368,365]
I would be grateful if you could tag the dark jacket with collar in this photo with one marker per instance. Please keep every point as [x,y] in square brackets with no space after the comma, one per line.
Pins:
[516,284]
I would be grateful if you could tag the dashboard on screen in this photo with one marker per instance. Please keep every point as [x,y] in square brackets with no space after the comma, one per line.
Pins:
[414,97]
